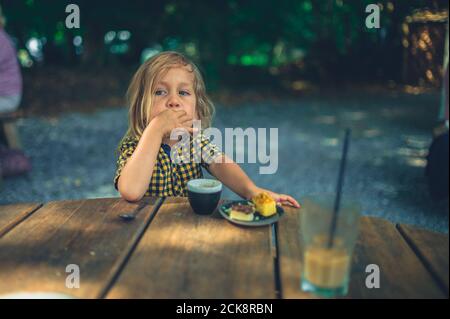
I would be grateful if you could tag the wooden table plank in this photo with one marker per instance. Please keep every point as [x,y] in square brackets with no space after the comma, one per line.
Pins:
[89,233]
[402,273]
[432,249]
[12,215]
[183,255]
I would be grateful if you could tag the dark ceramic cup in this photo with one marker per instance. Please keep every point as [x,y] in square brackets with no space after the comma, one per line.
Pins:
[204,195]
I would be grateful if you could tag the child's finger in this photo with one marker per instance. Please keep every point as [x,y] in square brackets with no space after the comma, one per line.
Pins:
[180,112]
[184,118]
[187,122]
[294,202]
[290,201]
[181,117]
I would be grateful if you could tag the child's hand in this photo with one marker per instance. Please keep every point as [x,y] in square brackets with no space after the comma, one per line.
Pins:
[279,198]
[169,120]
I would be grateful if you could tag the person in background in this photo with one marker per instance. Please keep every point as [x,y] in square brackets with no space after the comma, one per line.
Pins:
[12,162]
[10,76]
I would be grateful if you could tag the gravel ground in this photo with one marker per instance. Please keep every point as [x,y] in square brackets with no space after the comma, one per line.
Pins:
[73,155]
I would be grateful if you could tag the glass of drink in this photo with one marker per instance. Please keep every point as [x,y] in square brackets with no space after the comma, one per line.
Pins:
[327,245]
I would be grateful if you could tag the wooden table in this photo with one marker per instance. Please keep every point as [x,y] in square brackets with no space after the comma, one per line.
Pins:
[169,252]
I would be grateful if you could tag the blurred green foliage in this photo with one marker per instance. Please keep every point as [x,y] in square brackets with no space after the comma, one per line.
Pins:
[320,40]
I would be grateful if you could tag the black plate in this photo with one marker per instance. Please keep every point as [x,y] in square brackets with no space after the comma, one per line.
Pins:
[258,219]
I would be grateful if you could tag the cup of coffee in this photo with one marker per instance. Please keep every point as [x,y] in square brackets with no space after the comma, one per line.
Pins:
[204,195]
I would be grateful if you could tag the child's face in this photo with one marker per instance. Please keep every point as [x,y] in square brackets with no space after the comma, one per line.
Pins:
[175,90]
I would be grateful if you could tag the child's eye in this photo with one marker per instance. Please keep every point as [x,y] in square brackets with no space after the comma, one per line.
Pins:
[185,93]
[159,92]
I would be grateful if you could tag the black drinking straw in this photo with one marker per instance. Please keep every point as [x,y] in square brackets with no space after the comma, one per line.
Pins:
[337,201]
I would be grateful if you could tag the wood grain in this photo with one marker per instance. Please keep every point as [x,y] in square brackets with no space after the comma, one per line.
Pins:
[402,275]
[432,249]
[88,233]
[184,255]
[12,215]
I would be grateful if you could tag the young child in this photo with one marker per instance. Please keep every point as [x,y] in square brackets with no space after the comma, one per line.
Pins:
[168,92]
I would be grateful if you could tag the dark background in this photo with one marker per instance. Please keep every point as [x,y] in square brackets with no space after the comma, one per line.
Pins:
[288,46]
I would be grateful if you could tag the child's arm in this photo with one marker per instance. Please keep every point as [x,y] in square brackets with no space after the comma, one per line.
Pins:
[232,176]
[137,172]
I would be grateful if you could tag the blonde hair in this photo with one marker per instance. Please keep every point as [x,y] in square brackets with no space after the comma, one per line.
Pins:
[139,93]
[2,18]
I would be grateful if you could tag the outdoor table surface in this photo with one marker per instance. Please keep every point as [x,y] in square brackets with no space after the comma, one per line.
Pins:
[170,252]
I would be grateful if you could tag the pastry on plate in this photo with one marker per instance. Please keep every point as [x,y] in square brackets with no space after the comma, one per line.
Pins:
[242,212]
[265,204]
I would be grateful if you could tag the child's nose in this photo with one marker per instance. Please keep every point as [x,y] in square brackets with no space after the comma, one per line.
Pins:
[173,102]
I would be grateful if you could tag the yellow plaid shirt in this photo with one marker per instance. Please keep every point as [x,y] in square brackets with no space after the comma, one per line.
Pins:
[169,178]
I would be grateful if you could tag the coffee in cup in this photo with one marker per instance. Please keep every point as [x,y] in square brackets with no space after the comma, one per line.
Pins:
[204,195]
